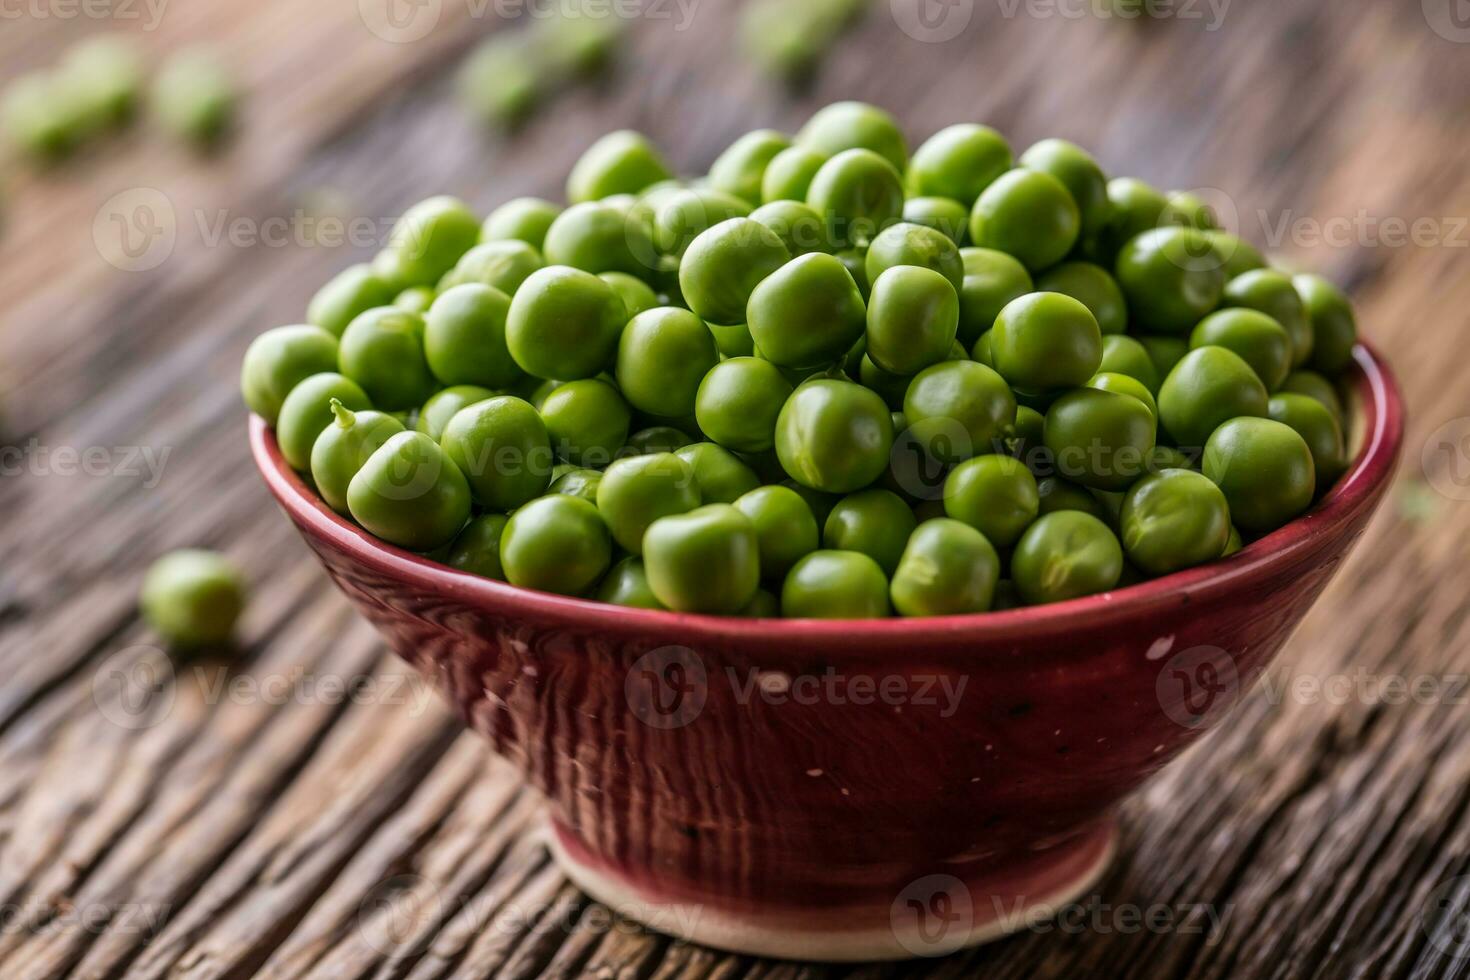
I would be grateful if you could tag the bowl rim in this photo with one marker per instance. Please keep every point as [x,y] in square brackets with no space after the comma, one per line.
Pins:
[1382,437]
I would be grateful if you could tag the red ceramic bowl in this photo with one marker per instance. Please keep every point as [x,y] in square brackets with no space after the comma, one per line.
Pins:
[848,790]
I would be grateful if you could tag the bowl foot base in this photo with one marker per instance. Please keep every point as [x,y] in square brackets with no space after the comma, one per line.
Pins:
[934,915]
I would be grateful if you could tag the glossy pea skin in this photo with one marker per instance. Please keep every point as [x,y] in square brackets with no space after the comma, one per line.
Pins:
[740,169]
[789,175]
[1046,340]
[502,265]
[1029,215]
[845,126]
[638,490]
[1137,207]
[430,238]
[626,584]
[958,409]
[192,598]
[524,219]
[307,410]
[875,522]
[409,493]
[996,495]
[720,475]
[685,214]
[349,293]
[656,439]
[992,279]
[1057,494]
[1172,520]
[502,447]
[383,351]
[1264,469]
[1066,554]
[1317,426]
[807,313]
[1079,173]
[913,318]
[706,561]
[1188,210]
[1259,340]
[1239,255]
[637,295]
[1094,287]
[1314,385]
[834,436]
[564,323]
[1125,355]
[1210,386]
[1334,327]
[578,482]
[587,421]
[1125,385]
[959,162]
[947,569]
[739,401]
[663,355]
[464,338]
[1165,352]
[906,244]
[280,359]
[556,544]
[859,194]
[1100,439]
[1026,437]
[725,264]
[622,162]
[599,237]
[344,446]
[416,299]
[1272,293]
[1172,279]
[835,585]
[799,227]
[784,525]
[477,548]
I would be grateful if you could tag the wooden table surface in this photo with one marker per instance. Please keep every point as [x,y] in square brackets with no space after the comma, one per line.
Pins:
[248,818]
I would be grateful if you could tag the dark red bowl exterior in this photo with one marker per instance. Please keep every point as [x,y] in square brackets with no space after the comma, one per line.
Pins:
[792,767]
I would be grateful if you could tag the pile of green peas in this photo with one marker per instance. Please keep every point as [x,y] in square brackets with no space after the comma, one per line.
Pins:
[830,379]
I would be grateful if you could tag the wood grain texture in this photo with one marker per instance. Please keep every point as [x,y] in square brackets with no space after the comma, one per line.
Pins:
[218,830]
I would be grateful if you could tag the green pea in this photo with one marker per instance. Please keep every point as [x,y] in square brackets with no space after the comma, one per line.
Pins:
[1099,438]
[1079,173]
[525,219]
[477,548]
[799,227]
[807,313]
[409,493]
[835,585]
[725,264]
[578,482]
[637,295]
[1094,287]
[992,280]
[280,359]
[1029,215]
[1066,554]
[740,169]
[1046,340]
[501,80]
[556,544]
[1125,355]
[789,175]
[906,244]
[959,162]
[996,495]
[705,561]
[1189,210]
[1057,494]
[834,436]
[1313,385]
[1136,208]
[1265,470]
[1170,458]
[733,341]
[1172,520]
[344,446]
[623,162]
[564,323]
[503,448]
[351,292]
[739,401]
[845,126]
[104,74]
[383,351]
[1124,385]
[876,523]
[587,421]
[686,214]
[1164,352]
[1317,426]
[958,409]
[859,193]
[1259,340]
[626,584]
[656,439]
[194,98]
[638,490]
[1334,328]
[784,525]
[663,356]
[416,299]
[1027,434]
[855,261]
[719,473]
[1172,278]
[1272,293]
[1236,542]
[464,338]
[1239,255]
[430,239]
[501,265]
[307,410]
[764,606]
[599,237]
[943,214]
[1210,386]
[193,598]
[947,569]
[913,316]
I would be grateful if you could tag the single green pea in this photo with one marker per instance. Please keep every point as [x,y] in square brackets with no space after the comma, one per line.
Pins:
[1125,385]
[410,493]
[104,74]
[193,598]
[1210,386]
[1079,173]
[1313,385]
[1317,426]
[1100,439]
[194,98]
[845,126]
[1169,458]
[1172,278]
[637,295]
[740,170]
[947,569]
[1057,494]
[344,446]
[1046,340]
[855,261]
[477,548]
[383,351]
[626,584]
[1265,470]
[307,410]
[996,495]
[784,525]
[416,299]
[1066,554]
[587,421]
[943,214]
[807,313]
[707,560]
[765,605]
[501,80]
[351,292]
[983,351]
[502,447]
[834,436]
[1029,215]
[663,355]
[992,280]
[686,214]
[656,439]
[1125,355]
[579,43]
[638,490]
[502,265]
[1272,293]
[720,475]
[525,219]
[464,338]
[578,482]
[959,409]
[1334,328]
[556,544]
[280,359]
[1164,352]
[1172,520]
[859,194]
[906,244]
[835,585]
[1188,210]
[1094,287]
[913,317]
[800,228]
[623,162]
[1027,435]
[959,162]
[1236,542]
[1239,255]
[739,401]
[1259,340]
[733,341]
[725,264]
[430,239]
[789,175]
[1137,207]
[875,522]
[599,237]
[564,323]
